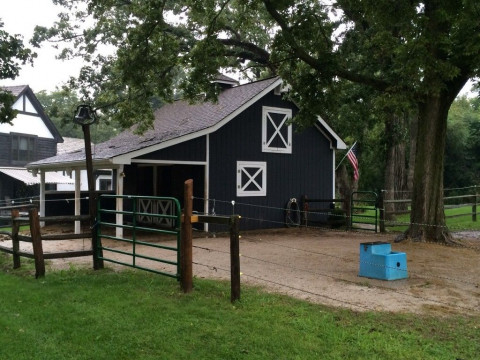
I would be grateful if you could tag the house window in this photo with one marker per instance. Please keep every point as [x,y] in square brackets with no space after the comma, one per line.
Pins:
[105,184]
[251,178]
[23,148]
[276,133]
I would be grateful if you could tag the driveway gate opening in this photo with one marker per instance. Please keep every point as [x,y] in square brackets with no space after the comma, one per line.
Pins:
[151,234]
[364,210]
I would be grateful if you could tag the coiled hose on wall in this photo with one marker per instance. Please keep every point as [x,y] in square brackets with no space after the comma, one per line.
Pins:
[292,213]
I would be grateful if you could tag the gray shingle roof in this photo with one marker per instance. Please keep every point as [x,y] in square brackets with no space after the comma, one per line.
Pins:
[15,90]
[172,121]
[69,145]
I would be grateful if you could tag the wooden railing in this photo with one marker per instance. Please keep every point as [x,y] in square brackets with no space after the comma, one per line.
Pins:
[460,202]
[36,237]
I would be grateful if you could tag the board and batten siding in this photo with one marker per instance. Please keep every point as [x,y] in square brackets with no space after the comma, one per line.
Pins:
[4,149]
[307,170]
[191,150]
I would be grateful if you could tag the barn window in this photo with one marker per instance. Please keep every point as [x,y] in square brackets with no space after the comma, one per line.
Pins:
[276,133]
[251,178]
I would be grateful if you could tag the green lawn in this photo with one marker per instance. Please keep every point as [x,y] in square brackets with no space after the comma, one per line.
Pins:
[82,314]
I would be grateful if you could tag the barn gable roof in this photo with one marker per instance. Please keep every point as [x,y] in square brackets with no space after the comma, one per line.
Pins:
[174,123]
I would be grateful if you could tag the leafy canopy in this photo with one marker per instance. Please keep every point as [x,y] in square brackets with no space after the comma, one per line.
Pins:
[13,54]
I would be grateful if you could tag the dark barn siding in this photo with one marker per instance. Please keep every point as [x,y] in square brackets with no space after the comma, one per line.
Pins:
[192,150]
[308,170]
[170,181]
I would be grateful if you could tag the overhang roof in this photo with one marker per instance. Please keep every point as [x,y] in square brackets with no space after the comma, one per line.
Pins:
[27,177]
[174,123]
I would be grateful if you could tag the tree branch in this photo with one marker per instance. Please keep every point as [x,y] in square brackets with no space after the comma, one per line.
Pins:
[259,55]
[316,63]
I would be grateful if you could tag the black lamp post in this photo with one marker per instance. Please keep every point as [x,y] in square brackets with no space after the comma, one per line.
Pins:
[85,116]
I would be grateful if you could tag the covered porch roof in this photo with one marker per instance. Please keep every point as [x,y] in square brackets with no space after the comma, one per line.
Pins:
[29,178]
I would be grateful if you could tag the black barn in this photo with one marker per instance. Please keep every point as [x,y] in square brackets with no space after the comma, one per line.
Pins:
[242,153]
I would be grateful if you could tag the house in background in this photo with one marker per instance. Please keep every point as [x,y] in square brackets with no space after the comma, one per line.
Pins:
[102,177]
[31,136]
[243,154]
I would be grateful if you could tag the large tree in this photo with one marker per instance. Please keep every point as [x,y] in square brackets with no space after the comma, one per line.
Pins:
[421,51]
[13,54]
[406,52]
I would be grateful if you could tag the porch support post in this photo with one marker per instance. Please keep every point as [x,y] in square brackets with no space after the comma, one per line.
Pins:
[186,267]
[42,196]
[206,182]
[333,173]
[119,201]
[155,179]
[77,200]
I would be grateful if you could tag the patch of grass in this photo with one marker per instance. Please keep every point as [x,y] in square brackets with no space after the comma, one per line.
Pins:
[9,229]
[462,219]
[82,314]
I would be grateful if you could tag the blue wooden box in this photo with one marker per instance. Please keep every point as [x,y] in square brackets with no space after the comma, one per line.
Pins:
[378,261]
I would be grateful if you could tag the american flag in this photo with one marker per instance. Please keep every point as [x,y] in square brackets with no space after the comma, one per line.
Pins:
[351,154]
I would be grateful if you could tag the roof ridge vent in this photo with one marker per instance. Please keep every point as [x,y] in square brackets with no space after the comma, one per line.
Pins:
[225,82]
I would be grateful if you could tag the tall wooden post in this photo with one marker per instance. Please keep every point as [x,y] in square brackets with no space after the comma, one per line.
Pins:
[15,241]
[186,272]
[36,242]
[92,199]
[234,258]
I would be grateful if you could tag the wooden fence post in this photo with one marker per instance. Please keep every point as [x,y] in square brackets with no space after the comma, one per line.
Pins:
[381,206]
[186,271]
[36,242]
[15,241]
[474,207]
[235,258]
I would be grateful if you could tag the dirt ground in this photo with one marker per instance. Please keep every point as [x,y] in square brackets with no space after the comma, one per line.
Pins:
[322,266]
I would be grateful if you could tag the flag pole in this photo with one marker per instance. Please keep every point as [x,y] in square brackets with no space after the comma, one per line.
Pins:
[351,147]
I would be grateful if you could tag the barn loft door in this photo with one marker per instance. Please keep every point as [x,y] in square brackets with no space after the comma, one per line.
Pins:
[276,132]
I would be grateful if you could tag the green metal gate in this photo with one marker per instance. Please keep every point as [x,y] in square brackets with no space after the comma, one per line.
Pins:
[150,233]
[364,210]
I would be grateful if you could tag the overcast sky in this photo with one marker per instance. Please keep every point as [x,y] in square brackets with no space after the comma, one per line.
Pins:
[20,17]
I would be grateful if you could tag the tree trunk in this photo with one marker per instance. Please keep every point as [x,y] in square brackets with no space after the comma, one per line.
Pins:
[344,187]
[395,166]
[411,158]
[427,216]
[389,181]
[401,174]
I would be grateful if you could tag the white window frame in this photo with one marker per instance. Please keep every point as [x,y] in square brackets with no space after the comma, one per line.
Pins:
[261,170]
[266,120]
